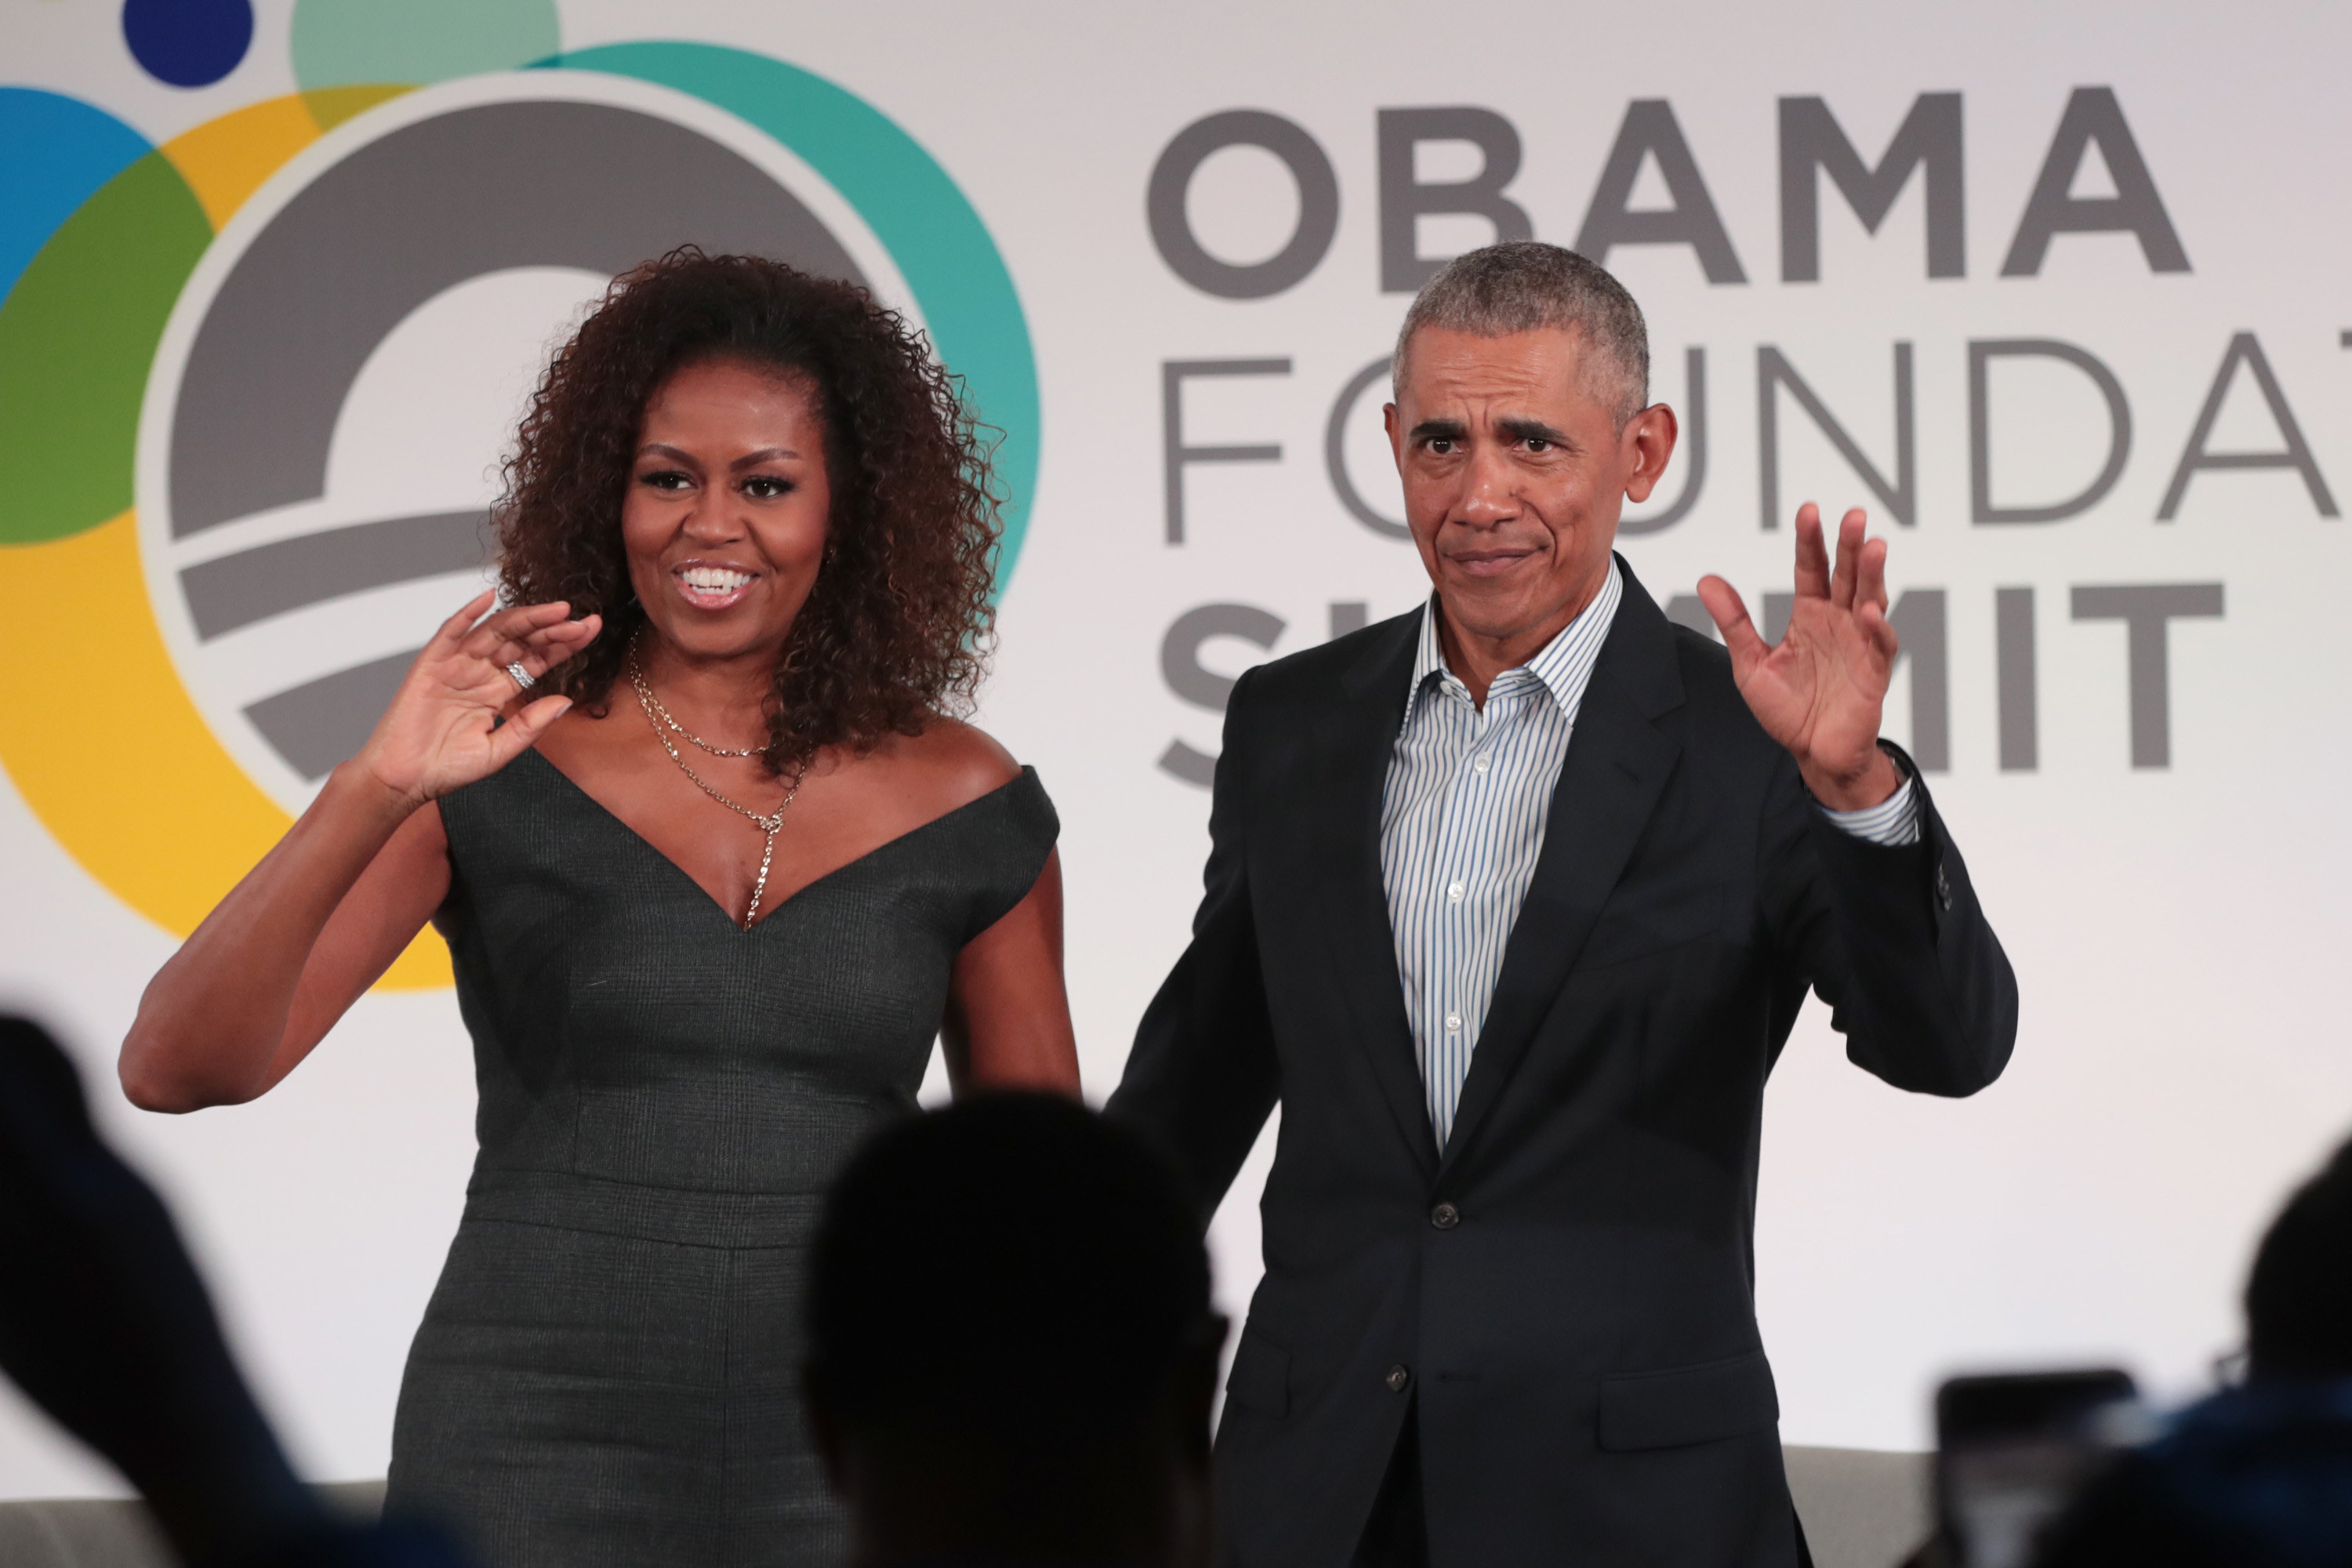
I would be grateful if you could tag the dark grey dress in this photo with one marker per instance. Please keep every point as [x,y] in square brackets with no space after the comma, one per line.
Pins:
[608,1371]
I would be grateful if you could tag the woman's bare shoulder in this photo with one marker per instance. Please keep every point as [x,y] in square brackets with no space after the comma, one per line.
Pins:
[949,764]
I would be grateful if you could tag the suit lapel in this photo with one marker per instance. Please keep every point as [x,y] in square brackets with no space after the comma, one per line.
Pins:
[1354,741]
[1618,763]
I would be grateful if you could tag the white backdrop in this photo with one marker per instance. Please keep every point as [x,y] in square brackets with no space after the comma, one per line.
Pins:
[2180,1059]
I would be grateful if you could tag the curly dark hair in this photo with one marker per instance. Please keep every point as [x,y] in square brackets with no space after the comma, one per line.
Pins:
[898,623]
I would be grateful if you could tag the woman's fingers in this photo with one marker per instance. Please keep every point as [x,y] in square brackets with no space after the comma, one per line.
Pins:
[579,633]
[539,637]
[542,648]
[533,660]
[561,641]
[508,626]
[523,728]
[453,630]
[474,658]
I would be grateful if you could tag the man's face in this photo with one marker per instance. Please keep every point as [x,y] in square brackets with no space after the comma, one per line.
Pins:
[1514,472]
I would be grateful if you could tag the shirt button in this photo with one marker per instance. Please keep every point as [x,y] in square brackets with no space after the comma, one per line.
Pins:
[1453,1023]
[1398,1377]
[1445,1216]
[1479,765]
[1454,890]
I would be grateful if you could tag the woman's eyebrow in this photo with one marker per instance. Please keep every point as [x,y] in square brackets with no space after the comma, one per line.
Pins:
[765,454]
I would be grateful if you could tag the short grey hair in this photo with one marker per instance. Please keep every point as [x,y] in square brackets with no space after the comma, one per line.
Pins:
[1525,286]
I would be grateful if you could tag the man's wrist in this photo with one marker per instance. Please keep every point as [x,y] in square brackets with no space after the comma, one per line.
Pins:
[1875,784]
[1893,823]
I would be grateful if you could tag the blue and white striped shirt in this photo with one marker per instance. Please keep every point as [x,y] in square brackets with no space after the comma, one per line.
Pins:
[1462,822]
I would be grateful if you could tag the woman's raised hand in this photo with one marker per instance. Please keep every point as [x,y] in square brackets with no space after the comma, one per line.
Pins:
[441,732]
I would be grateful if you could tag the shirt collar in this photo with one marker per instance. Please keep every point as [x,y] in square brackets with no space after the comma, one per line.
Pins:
[1563,665]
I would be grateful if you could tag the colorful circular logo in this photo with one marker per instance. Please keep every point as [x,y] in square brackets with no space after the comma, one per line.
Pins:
[253,384]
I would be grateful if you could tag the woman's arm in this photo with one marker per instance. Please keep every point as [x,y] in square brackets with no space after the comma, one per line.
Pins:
[276,963]
[308,930]
[1008,1023]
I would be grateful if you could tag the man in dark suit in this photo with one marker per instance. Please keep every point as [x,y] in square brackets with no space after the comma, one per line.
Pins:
[1511,904]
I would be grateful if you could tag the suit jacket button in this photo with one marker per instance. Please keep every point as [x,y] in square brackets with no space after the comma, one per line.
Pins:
[1445,1216]
[1398,1377]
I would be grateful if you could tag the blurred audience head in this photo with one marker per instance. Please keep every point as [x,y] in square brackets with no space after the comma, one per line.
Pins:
[2258,1476]
[1012,1353]
[2299,1295]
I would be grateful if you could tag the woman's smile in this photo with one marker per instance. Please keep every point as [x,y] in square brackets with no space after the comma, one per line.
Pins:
[711,585]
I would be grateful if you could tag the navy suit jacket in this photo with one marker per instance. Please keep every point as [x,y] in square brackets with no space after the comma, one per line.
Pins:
[1564,1296]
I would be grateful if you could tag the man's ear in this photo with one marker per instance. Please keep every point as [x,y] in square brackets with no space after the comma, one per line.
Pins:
[1646,444]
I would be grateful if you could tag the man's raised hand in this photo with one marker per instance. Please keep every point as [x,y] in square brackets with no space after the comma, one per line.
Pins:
[440,733]
[1820,691]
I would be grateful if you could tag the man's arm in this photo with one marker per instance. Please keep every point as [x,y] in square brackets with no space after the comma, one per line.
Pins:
[1893,939]
[1203,1076]
[1864,888]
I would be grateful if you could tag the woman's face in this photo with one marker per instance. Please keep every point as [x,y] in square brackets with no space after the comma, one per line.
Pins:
[727,507]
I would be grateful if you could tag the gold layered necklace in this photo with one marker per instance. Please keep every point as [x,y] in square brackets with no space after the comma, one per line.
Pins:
[664,724]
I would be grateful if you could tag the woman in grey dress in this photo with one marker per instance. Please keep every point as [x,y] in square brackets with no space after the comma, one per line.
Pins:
[716,866]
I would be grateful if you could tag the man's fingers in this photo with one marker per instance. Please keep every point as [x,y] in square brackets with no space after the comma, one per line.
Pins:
[1850,528]
[1880,632]
[1813,555]
[1730,612]
[1870,585]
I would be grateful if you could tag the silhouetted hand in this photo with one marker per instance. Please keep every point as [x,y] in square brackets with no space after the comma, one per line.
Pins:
[104,1323]
[1821,689]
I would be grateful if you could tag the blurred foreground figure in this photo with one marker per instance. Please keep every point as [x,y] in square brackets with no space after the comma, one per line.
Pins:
[105,1325]
[1012,1353]
[2258,1476]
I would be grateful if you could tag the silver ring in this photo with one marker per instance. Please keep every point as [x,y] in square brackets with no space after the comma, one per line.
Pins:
[519,675]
